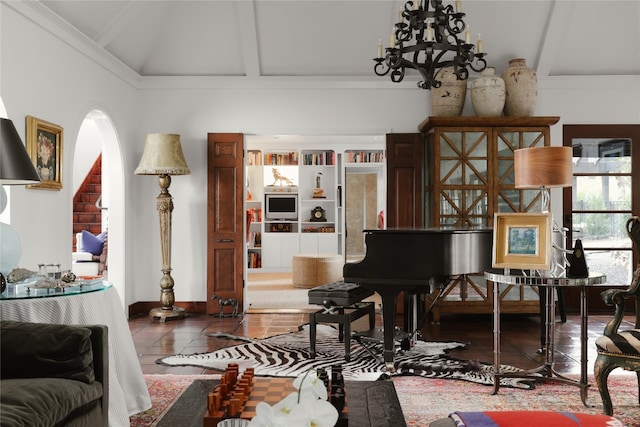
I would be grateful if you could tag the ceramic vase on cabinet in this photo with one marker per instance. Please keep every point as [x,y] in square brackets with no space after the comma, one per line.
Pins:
[488,94]
[448,99]
[521,83]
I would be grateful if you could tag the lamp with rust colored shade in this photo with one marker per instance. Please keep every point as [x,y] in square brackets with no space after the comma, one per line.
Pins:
[16,168]
[163,156]
[543,168]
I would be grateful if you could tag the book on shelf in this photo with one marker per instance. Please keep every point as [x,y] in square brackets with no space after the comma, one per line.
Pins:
[255,240]
[290,158]
[320,158]
[254,260]
[254,158]
[365,156]
[254,214]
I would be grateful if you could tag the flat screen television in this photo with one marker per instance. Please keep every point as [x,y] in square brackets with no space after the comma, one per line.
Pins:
[281,206]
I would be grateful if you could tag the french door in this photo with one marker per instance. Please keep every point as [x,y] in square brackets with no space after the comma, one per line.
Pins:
[604,195]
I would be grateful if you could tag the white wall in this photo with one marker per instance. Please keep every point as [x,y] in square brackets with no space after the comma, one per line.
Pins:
[44,77]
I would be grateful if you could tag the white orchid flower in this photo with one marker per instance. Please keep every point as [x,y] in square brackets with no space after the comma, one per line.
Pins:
[310,382]
[313,413]
[308,407]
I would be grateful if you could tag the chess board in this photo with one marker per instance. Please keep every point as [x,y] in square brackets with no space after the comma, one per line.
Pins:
[261,389]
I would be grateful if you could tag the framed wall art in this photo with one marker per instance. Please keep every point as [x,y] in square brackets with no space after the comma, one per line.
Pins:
[522,241]
[44,145]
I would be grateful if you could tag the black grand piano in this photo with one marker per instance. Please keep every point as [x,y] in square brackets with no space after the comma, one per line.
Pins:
[411,260]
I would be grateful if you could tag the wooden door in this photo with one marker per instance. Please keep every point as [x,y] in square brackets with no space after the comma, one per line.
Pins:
[225,219]
[405,159]
[405,188]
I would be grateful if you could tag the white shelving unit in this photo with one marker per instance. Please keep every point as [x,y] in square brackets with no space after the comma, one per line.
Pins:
[314,173]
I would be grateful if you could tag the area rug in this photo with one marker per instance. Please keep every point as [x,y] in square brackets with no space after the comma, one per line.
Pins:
[426,400]
[287,355]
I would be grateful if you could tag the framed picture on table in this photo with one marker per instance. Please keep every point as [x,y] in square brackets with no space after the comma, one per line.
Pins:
[522,241]
[44,145]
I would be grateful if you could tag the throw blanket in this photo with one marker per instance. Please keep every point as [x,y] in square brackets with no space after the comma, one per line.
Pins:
[532,419]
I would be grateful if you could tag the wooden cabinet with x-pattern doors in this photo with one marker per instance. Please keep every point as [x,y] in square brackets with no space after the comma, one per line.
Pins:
[469,176]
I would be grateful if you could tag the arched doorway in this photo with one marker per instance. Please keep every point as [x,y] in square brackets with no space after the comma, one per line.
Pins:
[97,135]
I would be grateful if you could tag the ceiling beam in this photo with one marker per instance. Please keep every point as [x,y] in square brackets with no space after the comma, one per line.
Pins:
[246,20]
[130,12]
[559,15]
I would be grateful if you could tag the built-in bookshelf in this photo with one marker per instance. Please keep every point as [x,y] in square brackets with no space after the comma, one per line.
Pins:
[313,176]
[253,208]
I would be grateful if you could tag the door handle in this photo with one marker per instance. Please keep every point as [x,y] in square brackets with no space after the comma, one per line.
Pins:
[225,241]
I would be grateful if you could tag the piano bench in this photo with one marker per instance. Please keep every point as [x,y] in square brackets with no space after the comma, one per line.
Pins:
[343,305]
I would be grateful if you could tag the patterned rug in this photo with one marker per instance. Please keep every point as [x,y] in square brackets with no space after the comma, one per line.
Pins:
[287,355]
[426,400]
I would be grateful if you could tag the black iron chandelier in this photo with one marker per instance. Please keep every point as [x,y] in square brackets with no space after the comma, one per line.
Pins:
[434,28]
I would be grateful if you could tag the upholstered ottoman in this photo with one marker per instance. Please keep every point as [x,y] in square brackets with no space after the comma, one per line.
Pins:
[309,271]
[525,419]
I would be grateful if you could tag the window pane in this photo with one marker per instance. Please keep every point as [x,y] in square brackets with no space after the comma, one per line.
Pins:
[616,265]
[601,156]
[601,230]
[612,193]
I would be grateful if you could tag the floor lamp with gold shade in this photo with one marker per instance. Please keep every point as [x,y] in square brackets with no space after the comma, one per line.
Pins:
[162,156]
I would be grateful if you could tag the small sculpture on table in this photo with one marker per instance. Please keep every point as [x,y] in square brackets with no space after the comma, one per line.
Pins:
[318,192]
[278,177]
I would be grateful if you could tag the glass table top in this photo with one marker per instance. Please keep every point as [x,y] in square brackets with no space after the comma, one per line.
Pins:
[28,289]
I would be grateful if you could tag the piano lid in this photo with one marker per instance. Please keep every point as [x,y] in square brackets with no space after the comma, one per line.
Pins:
[414,256]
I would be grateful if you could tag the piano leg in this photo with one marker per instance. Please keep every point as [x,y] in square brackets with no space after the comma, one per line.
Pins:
[388,326]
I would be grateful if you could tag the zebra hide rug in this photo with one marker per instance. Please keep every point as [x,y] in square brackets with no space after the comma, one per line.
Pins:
[287,355]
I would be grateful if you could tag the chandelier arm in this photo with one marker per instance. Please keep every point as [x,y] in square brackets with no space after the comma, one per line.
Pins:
[482,64]
[441,25]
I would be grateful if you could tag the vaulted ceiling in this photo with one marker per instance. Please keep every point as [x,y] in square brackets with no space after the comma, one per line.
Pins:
[336,39]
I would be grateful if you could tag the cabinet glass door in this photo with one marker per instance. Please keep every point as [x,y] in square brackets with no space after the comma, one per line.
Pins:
[509,199]
[463,180]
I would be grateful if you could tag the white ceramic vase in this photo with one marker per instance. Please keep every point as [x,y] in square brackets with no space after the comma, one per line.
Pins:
[488,94]
[448,99]
[521,83]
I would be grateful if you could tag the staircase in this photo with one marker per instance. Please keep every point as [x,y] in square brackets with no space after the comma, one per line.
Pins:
[86,216]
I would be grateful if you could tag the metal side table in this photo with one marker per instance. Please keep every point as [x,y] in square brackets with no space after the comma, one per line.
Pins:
[545,371]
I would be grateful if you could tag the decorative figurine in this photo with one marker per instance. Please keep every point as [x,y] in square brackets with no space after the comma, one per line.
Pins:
[318,192]
[277,176]
[222,302]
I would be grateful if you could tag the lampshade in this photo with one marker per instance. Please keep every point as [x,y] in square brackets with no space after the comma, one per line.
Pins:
[162,155]
[543,167]
[16,167]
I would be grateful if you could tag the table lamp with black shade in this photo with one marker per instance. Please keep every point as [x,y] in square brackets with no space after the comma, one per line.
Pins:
[16,168]
[162,156]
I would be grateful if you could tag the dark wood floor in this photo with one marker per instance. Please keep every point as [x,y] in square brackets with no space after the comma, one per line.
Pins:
[520,337]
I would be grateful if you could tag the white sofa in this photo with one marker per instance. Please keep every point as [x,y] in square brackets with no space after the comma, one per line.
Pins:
[92,259]
[83,264]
